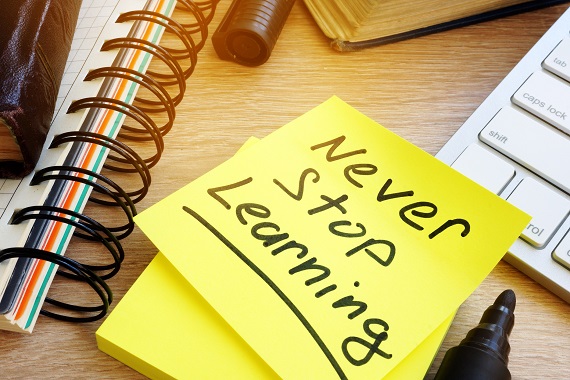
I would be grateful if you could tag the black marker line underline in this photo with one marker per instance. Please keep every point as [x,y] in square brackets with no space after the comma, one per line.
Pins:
[272,285]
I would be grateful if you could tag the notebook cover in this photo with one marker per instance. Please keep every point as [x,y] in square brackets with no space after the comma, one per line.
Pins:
[35,39]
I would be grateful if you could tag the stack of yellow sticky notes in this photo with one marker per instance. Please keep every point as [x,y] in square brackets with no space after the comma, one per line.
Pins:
[330,249]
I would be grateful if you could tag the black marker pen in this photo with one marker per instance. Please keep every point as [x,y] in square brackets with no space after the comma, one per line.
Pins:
[483,354]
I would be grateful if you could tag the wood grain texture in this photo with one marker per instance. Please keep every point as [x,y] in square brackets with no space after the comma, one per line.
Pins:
[421,89]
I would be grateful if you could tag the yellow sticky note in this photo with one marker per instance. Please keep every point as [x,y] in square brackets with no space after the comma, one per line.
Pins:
[139,338]
[333,247]
[195,339]
[164,329]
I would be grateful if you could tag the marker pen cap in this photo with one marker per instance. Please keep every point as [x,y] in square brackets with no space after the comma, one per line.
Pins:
[250,29]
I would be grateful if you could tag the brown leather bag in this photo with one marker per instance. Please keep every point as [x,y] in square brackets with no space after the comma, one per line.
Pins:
[35,39]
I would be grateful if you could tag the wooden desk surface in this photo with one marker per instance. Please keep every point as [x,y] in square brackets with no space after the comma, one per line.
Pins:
[421,89]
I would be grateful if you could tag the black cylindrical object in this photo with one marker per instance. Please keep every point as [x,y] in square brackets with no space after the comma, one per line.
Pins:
[250,29]
[483,354]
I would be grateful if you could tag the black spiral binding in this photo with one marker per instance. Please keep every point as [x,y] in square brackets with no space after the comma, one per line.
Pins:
[164,91]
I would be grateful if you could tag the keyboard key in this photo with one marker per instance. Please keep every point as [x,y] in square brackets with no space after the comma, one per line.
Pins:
[547,208]
[546,97]
[485,168]
[533,144]
[558,62]
[562,251]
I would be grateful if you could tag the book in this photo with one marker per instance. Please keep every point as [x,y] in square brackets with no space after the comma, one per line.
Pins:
[35,39]
[107,110]
[358,24]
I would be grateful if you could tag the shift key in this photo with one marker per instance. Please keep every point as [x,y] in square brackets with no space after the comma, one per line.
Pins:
[546,97]
[531,143]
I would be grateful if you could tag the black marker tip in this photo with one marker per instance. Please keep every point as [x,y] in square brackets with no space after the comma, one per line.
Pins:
[484,353]
[507,299]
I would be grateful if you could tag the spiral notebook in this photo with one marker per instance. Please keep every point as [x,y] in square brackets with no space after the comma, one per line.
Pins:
[107,102]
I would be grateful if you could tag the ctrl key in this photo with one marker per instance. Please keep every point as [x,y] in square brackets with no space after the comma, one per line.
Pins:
[562,251]
[547,208]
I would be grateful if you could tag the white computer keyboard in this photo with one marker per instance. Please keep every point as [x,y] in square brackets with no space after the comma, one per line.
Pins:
[517,145]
